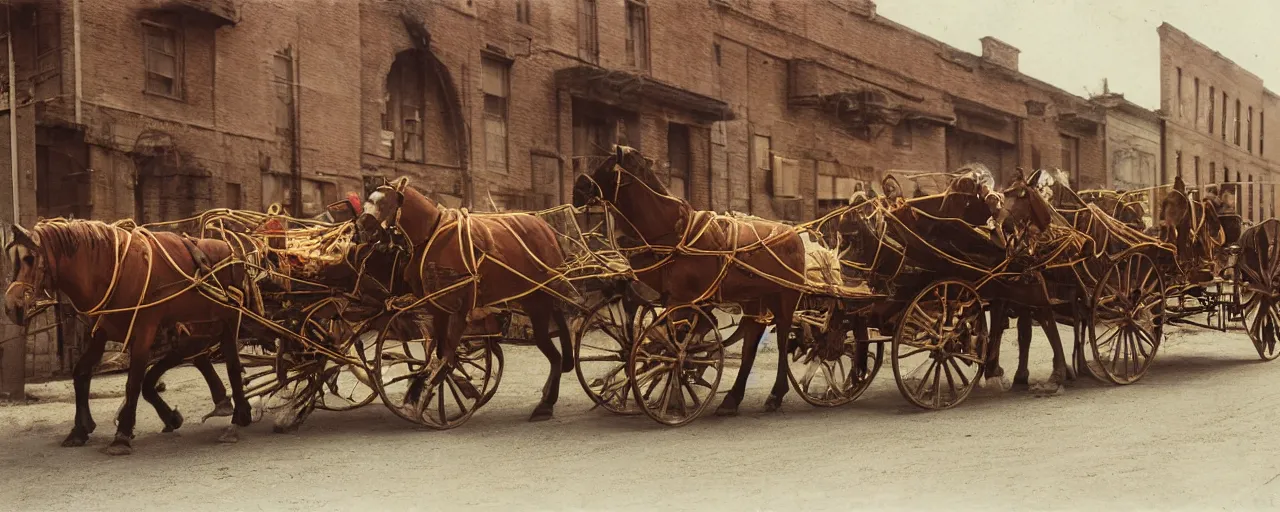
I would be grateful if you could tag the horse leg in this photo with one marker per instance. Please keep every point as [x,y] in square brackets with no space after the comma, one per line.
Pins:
[83,373]
[540,317]
[784,310]
[566,340]
[242,415]
[171,418]
[221,404]
[750,342]
[139,356]
[1050,326]
[1021,378]
[994,373]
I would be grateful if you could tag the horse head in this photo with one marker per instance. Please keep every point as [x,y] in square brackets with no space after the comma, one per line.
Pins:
[609,181]
[29,275]
[1024,206]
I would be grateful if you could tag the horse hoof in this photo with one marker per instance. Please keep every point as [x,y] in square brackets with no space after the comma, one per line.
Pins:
[772,404]
[1048,389]
[222,408]
[996,383]
[174,423]
[542,413]
[75,439]
[229,436]
[727,409]
[119,447]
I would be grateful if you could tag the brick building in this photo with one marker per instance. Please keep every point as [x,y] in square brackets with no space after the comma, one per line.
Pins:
[157,109]
[1214,115]
[1133,137]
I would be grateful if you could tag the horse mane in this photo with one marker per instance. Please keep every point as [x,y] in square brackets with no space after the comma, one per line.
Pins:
[66,236]
[645,172]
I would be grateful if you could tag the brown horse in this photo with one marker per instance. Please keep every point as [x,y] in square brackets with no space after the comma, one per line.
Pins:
[708,258]
[133,282]
[462,263]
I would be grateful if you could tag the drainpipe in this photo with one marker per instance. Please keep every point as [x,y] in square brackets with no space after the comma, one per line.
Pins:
[296,129]
[13,114]
[75,32]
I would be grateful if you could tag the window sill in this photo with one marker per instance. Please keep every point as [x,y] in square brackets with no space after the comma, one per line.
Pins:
[178,99]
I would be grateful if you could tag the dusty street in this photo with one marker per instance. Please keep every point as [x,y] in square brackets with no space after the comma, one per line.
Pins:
[1198,433]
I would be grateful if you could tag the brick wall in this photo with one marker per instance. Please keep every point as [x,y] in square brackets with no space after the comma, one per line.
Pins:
[1188,124]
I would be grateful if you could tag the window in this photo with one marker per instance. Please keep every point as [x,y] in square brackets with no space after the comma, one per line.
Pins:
[1248,121]
[1239,199]
[524,11]
[1177,158]
[1213,177]
[1224,115]
[637,34]
[1195,114]
[1071,157]
[1237,123]
[1196,165]
[680,157]
[231,196]
[48,65]
[1211,97]
[1181,102]
[1273,202]
[496,91]
[406,88]
[282,80]
[1262,131]
[1250,198]
[163,60]
[902,134]
[1035,157]
[588,31]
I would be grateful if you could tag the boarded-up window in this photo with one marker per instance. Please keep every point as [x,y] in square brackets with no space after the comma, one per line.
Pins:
[1071,157]
[1195,116]
[232,197]
[523,11]
[406,86]
[1212,94]
[637,34]
[1237,123]
[680,157]
[496,91]
[588,31]
[48,75]
[163,59]
[902,134]
[761,152]
[1249,122]
[282,81]
[1250,198]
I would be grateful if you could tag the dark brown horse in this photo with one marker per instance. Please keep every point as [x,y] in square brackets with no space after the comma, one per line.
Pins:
[704,258]
[133,282]
[462,263]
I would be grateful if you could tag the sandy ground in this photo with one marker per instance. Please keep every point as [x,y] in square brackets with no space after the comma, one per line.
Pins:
[1196,434]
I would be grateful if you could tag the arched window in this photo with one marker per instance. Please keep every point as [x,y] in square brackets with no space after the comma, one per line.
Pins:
[405,111]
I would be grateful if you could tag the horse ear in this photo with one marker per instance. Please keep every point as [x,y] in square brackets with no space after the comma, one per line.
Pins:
[1017,176]
[618,154]
[1178,184]
[25,238]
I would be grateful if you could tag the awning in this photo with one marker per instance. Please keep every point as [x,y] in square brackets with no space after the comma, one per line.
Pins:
[622,88]
[221,12]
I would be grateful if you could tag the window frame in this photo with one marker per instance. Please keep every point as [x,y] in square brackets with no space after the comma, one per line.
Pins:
[178,91]
[637,50]
[589,31]
[504,117]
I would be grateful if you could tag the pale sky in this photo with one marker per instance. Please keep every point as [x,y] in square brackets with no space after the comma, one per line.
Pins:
[1074,44]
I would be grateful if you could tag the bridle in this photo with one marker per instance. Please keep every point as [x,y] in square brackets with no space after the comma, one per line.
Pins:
[42,269]
[611,203]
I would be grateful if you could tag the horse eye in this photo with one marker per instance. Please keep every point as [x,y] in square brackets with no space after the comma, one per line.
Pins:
[29,260]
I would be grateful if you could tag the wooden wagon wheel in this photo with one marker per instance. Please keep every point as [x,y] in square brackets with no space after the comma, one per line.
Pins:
[676,364]
[1128,318]
[1257,279]
[603,350]
[940,348]
[346,386]
[830,367]
[421,386]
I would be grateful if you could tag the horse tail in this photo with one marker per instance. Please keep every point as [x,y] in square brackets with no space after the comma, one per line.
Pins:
[566,340]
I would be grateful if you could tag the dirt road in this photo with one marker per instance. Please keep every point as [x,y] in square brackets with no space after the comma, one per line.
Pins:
[1198,433]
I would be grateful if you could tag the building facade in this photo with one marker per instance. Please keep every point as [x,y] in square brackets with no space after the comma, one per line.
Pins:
[1214,115]
[158,109]
[1133,137]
